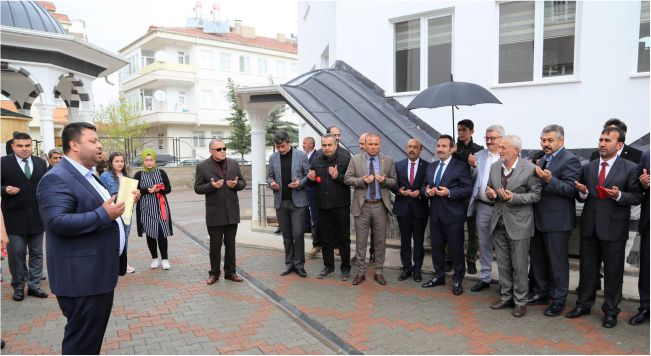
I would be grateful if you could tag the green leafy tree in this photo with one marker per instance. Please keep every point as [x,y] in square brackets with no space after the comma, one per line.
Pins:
[116,122]
[240,138]
[274,123]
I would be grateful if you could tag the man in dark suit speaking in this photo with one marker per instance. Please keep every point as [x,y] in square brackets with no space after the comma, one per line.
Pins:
[85,238]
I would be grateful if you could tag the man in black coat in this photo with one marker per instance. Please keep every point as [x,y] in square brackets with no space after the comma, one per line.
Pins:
[326,175]
[643,228]
[21,173]
[626,152]
[410,208]
[609,187]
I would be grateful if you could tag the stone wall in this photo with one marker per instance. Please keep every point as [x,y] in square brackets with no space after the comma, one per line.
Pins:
[183,176]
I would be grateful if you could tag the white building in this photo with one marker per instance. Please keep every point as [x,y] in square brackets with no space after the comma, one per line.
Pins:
[178,78]
[570,63]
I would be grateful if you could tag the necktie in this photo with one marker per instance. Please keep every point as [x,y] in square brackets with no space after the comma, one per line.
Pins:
[545,162]
[371,171]
[28,171]
[437,180]
[411,174]
[602,173]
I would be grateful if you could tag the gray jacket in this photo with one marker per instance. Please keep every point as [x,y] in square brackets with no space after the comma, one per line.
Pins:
[300,167]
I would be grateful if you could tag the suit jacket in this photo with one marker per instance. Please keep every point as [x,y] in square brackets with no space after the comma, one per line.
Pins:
[556,210]
[222,205]
[402,204]
[20,211]
[644,209]
[357,168]
[82,241]
[608,218]
[456,177]
[629,153]
[516,214]
[300,167]
[478,174]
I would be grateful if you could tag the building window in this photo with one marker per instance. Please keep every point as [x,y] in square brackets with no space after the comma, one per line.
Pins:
[225,62]
[182,58]
[643,44]
[520,60]
[198,138]
[207,60]
[407,56]
[207,98]
[245,66]
[262,66]
[217,134]
[280,69]
[439,50]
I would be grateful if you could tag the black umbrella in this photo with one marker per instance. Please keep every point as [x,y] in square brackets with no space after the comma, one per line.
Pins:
[452,94]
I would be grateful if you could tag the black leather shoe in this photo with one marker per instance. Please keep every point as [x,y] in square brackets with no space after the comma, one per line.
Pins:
[404,275]
[301,272]
[501,304]
[326,271]
[434,282]
[577,312]
[640,317]
[38,293]
[457,288]
[418,277]
[287,270]
[610,321]
[19,295]
[472,268]
[479,286]
[555,309]
[537,300]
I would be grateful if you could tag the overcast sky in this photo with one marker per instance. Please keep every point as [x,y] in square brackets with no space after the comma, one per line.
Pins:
[114,24]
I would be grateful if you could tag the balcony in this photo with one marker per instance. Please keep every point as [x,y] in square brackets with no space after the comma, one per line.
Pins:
[169,117]
[158,74]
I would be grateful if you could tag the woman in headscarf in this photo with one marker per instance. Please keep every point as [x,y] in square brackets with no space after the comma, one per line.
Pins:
[153,212]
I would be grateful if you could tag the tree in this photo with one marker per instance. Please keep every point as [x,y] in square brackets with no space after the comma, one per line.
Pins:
[240,138]
[274,123]
[118,122]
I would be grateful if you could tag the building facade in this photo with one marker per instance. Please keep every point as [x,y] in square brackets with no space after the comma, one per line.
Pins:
[571,63]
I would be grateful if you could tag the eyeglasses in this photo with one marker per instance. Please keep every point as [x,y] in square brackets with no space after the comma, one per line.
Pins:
[219,149]
[488,138]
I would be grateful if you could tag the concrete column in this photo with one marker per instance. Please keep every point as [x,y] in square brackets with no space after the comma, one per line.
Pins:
[258,119]
[47,125]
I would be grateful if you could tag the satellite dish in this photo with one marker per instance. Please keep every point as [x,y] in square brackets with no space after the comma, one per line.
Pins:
[159,56]
[160,95]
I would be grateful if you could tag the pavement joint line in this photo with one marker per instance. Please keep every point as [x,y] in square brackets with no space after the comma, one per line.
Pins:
[315,328]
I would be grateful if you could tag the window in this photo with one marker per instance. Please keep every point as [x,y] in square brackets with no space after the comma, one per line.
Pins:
[439,50]
[262,66]
[198,138]
[407,56]
[245,66]
[181,103]
[207,60]
[280,69]
[146,100]
[643,44]
[225,62]
[522,57]
[217,134]
[207,98]
[182,58]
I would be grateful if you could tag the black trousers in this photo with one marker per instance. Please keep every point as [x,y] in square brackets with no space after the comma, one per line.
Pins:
[450,235]
[311,219]
[162,245]
[87,320]
[643,281]
[334,230]
[613,255]
[550,265]
[411,228]
[291,220]
[225,234]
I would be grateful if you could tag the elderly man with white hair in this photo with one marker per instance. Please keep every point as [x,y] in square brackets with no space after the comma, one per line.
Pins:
[514,187]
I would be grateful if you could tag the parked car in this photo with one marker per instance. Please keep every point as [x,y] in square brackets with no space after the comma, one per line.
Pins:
[190,162]
[162,159]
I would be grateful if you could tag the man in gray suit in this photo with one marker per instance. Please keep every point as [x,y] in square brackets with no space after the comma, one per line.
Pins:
[514,187]
[481,206]
[609,187]
[287,175]
[373,175]
[554,217]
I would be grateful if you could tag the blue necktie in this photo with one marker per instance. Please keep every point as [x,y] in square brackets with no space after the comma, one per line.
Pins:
[437,180]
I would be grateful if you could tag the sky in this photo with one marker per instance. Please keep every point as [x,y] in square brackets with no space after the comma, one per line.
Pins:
[114,24]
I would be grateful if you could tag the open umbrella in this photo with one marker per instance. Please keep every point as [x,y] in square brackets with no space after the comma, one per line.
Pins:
[452,94]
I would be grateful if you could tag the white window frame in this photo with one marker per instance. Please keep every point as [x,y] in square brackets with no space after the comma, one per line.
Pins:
[634,72]
[424,18]
[263,63]
[198,138]
[247,62]
[538,43]
[225,61]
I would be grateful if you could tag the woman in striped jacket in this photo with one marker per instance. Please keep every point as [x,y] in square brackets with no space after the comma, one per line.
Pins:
[153,211]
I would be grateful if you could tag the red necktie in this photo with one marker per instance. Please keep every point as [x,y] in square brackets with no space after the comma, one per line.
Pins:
[411,174]
[602,173]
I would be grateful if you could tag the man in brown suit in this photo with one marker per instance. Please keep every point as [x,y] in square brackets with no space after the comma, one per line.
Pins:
[220,178]
[373,175]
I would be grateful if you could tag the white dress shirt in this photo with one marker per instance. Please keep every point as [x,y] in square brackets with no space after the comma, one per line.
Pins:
[21,163]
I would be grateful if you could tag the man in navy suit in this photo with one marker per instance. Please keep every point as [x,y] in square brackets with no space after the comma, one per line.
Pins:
[85,238]
[554,217]
[609,187]
[311,217]
[447,185]
[410,208]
